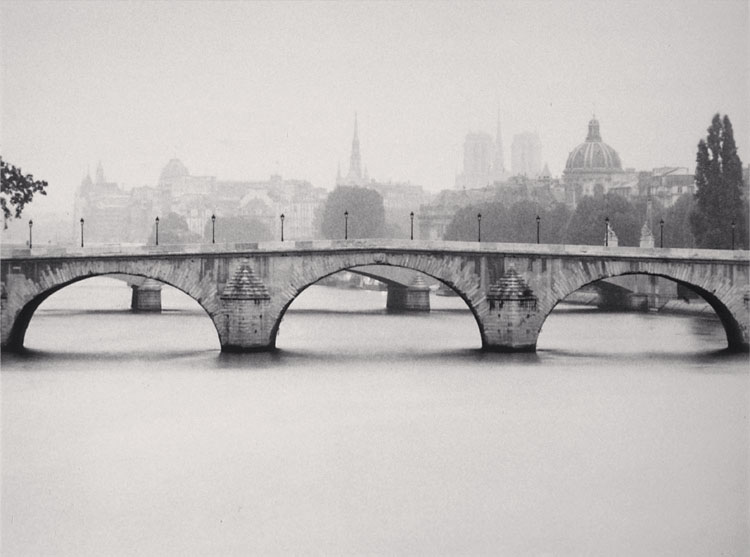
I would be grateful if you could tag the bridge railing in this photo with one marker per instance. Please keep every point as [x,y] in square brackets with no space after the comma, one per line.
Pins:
[433,246]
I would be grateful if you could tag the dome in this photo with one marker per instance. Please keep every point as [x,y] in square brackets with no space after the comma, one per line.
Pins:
[593,155]
[174,169]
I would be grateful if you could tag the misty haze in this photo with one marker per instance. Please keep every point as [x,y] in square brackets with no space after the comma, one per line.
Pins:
[415,278]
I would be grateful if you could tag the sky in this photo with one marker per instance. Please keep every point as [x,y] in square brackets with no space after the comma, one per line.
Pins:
[244,90]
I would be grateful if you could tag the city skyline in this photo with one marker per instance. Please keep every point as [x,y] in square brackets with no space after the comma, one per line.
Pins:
[243,91]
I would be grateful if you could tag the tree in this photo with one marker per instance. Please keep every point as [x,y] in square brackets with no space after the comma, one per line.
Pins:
[554,223]
[522,221]
[16,190]
[366,213]
[587,224]
[173,229]
[517,224]
[719,194]
[242,229]
[677,233]
[494,225]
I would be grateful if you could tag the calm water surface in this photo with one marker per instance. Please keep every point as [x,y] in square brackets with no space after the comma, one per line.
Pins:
[125,434]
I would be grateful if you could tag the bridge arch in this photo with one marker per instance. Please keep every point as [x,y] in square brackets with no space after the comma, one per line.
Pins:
[724,296]
[461,280]
[35,296]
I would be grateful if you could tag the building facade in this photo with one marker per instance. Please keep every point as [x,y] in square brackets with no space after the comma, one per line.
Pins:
[526,155]
[483,160]
[105,209]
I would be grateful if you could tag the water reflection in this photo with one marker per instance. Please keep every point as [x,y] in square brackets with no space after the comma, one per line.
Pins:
[371,433]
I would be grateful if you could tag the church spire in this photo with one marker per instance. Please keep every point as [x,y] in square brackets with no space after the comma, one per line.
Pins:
[355,161]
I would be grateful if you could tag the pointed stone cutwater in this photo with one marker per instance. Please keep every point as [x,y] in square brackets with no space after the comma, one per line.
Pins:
[512,324]
[244,285]
[511,288]
[245,300]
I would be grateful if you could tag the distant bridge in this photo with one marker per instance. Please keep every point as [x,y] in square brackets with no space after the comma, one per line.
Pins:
[246,289]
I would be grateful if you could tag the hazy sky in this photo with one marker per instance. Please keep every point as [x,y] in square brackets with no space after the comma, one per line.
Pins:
[243,90]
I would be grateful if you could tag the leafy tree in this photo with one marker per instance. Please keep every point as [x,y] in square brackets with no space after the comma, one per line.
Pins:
[587,224]
[365,209]
[522,222]
[173,229]
[16,190]
[719,195]
[554,224]
[516,224]
[465,226]
[241,229]
[677,232]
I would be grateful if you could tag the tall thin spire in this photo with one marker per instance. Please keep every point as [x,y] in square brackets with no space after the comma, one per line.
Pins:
[355,161]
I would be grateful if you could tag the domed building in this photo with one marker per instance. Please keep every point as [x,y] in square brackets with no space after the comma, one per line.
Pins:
[173,172]
[593,167]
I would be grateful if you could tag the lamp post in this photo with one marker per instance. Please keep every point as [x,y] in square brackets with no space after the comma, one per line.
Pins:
[31,223]
[157,231]
[346,225]
[282,226]
[479,227]
[213,229]
[606,231]
[81,231]
[661,233]
[411,216]
[734,224]
[537,228]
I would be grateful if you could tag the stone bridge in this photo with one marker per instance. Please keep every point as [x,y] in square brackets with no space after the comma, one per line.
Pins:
[246,289]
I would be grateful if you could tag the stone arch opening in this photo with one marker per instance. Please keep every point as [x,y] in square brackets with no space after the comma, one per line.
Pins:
[729,321]
[450,286]
[23,319]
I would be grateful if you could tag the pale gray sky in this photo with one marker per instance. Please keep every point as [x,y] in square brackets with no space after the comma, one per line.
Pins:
[242,90]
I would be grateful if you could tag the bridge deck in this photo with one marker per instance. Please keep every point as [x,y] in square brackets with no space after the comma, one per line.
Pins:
[339,246]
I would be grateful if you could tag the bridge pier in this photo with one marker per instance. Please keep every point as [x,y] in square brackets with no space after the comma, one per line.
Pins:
[415,297]
[146,296]
[513,321]
[245,324]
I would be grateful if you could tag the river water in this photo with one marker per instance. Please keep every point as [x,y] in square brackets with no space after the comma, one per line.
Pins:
[131,434]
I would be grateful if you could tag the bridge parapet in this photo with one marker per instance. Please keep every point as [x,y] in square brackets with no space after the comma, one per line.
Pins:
[340,246]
